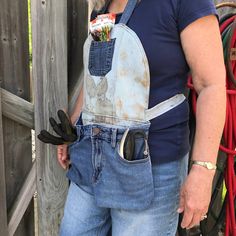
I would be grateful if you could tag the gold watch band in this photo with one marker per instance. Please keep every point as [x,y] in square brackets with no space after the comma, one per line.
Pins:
[208,165]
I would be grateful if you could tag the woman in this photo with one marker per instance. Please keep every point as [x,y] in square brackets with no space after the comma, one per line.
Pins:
[177,36]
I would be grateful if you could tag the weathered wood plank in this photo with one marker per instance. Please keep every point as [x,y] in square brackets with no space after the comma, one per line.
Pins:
[22,201]
[77,33]
[17,109]
[49,24]
[15,78]
[3,203]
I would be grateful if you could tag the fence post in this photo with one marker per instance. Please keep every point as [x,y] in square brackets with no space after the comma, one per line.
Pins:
[3,204]
[49,32]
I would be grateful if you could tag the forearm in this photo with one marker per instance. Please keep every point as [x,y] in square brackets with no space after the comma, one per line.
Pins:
[210,119]
[78,107]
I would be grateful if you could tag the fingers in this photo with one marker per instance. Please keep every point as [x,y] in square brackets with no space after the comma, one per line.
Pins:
[191,216]
[192,219]
[67,136]
[62,156]
[56,127]
[65,121]
[197,217]
[45,136]
[187,218]
[188,212]
[66,127]
[181,202]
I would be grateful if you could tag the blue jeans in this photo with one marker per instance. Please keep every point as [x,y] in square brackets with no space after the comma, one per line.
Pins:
[96,161]
[82,217]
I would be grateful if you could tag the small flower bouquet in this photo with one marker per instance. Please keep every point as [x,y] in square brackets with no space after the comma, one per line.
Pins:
[101,27]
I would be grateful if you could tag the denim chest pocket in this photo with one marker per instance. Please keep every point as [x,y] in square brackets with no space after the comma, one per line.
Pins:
[100,57]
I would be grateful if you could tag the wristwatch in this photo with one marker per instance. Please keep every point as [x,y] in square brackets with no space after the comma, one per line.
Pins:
[206,164]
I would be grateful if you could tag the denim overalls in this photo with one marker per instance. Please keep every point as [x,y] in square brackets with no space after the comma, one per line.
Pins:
[116,95]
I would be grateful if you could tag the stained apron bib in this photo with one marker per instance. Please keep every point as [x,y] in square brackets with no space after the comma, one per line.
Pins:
[116,95]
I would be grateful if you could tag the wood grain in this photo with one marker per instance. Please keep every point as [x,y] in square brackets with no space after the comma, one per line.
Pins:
[3,203]
[15,78]
[22,201]
[17,109]
[49,31]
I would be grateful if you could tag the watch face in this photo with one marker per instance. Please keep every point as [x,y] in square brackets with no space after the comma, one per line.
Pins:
[209,166]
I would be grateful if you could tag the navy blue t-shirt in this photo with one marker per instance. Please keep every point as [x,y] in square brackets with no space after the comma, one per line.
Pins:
[158,24]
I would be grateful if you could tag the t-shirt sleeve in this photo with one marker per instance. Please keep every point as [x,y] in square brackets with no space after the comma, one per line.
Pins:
[191,10]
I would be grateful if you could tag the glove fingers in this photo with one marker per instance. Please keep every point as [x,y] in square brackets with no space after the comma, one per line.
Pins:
[65,121]
[46,140]
[71,137]
[56,127]
[51,137]
[69,133]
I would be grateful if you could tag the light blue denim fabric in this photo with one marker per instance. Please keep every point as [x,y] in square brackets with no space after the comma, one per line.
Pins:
[82,217]
[116,82]
[115,181]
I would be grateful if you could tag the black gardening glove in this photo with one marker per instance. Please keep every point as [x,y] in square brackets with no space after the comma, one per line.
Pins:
[65,130]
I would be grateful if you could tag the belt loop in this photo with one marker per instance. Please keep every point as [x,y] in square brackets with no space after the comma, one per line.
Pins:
[113,137]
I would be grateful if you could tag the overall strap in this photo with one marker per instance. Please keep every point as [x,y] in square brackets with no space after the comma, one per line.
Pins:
[130,6]
[104,9]
[128,11]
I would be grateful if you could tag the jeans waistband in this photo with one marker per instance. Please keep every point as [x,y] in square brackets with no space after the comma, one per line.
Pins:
[109,133]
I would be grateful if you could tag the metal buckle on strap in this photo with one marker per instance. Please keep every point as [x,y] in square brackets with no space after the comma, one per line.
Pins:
[164,106]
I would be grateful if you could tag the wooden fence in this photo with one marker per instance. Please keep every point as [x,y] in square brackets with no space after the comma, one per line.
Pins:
[16,150]
[59,28]
[27,102]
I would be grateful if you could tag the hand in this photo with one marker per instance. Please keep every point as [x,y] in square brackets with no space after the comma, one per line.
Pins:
[62,156]
[195,196]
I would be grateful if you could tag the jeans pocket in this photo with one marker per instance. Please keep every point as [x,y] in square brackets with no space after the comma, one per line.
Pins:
[125,184]
[134,147]
[78,132]
[80,153]
[100,57]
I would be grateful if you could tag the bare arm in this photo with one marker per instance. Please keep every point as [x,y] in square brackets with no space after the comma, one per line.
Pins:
[78,106]
[202,46]
[62,155]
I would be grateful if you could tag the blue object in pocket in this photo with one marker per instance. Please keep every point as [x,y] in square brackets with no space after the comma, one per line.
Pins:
[100,57]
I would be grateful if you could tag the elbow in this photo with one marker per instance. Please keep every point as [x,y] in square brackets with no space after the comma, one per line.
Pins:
[215,82]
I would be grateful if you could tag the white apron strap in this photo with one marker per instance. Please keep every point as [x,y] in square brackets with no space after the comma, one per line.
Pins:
[164,106]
